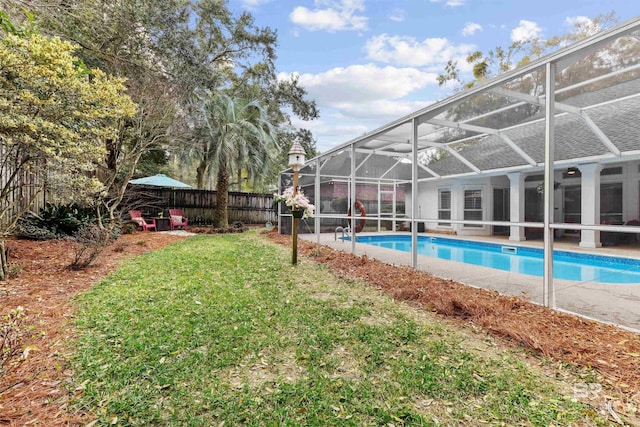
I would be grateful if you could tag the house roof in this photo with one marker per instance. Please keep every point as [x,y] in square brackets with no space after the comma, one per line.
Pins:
[574,140]
[499,125]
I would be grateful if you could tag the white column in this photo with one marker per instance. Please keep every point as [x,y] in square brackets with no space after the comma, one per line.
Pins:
[549,293]
[318,200]
[414,193]
[457,206]
[516,208]
[353,198]
[590,207]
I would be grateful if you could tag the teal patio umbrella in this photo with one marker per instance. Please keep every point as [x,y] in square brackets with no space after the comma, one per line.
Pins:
[159,180]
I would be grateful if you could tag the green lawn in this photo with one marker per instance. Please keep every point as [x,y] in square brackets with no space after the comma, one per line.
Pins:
[222,330]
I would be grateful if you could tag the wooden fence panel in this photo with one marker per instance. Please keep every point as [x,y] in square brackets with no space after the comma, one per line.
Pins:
[23,192]
[198,205]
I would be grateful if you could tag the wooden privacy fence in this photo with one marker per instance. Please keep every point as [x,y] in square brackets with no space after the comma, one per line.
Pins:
[20,190]
[198,205]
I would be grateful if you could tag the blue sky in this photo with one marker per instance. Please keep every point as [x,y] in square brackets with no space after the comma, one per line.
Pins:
[368,62]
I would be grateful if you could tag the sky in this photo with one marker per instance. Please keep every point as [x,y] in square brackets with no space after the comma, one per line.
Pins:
[369,62]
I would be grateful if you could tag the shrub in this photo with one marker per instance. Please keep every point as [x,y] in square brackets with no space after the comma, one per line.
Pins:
[90,242]
[55,221]
[129,228]
[14,271]
[120,246]
[29,229]
[340,205]
[12,332]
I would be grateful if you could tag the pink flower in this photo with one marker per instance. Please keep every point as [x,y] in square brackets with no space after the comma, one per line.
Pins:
[295,202]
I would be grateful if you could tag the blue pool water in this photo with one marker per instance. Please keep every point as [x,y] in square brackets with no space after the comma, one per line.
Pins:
[517,259]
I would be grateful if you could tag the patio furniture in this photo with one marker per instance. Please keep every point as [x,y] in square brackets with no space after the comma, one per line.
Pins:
[162,223]
[136,216]
[177,219]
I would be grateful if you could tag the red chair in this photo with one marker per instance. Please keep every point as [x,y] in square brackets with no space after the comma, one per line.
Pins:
[177,220]
[136,216]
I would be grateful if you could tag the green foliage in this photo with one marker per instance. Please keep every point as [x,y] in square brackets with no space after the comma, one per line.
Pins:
[24,30]
[51,107]
[56,221]
[129,228]
[194,41]
[233,133]
[286,139]
[14,271]
[54,114]
[340,205]
[222,330]
[152,162]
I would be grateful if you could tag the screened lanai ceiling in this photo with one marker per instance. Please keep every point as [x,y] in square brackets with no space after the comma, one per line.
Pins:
[499,125]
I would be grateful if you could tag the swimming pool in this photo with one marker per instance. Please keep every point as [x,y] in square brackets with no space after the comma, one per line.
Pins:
[517,259]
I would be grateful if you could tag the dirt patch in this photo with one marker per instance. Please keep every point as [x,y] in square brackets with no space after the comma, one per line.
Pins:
[613,352]
[346,366]
[266,373]
[34,391]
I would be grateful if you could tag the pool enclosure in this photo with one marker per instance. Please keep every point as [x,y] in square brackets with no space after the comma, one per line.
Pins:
[549,151]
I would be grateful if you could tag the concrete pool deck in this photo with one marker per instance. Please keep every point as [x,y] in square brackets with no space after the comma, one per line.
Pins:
[610,303]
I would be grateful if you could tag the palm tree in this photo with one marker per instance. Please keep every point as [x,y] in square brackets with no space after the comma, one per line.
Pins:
[233,132]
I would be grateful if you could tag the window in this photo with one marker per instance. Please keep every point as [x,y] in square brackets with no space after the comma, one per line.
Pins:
[611,203]
[473,206]
[616,170]
[444,205]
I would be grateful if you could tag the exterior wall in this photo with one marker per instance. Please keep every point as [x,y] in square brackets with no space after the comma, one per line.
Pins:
[428,197]
[365,192]
[428,200]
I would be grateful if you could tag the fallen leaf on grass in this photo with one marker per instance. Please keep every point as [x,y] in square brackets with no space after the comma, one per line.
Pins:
[28,349]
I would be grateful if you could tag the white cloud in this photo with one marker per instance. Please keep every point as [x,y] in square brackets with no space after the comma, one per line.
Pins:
[450,3]
[328,133]
[400,50]
[331,16]
[329,129]
[527,30]
[397,15]
[253,4]
[363,83]
[382,110]
[470,28]
[360,98]
[583,25]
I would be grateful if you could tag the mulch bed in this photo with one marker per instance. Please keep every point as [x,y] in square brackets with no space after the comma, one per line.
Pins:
[613,352]
[34,391]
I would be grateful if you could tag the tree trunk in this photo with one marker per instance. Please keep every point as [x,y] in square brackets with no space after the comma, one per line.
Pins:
[201,172]
[239,179]
[220,214]
[4,263]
